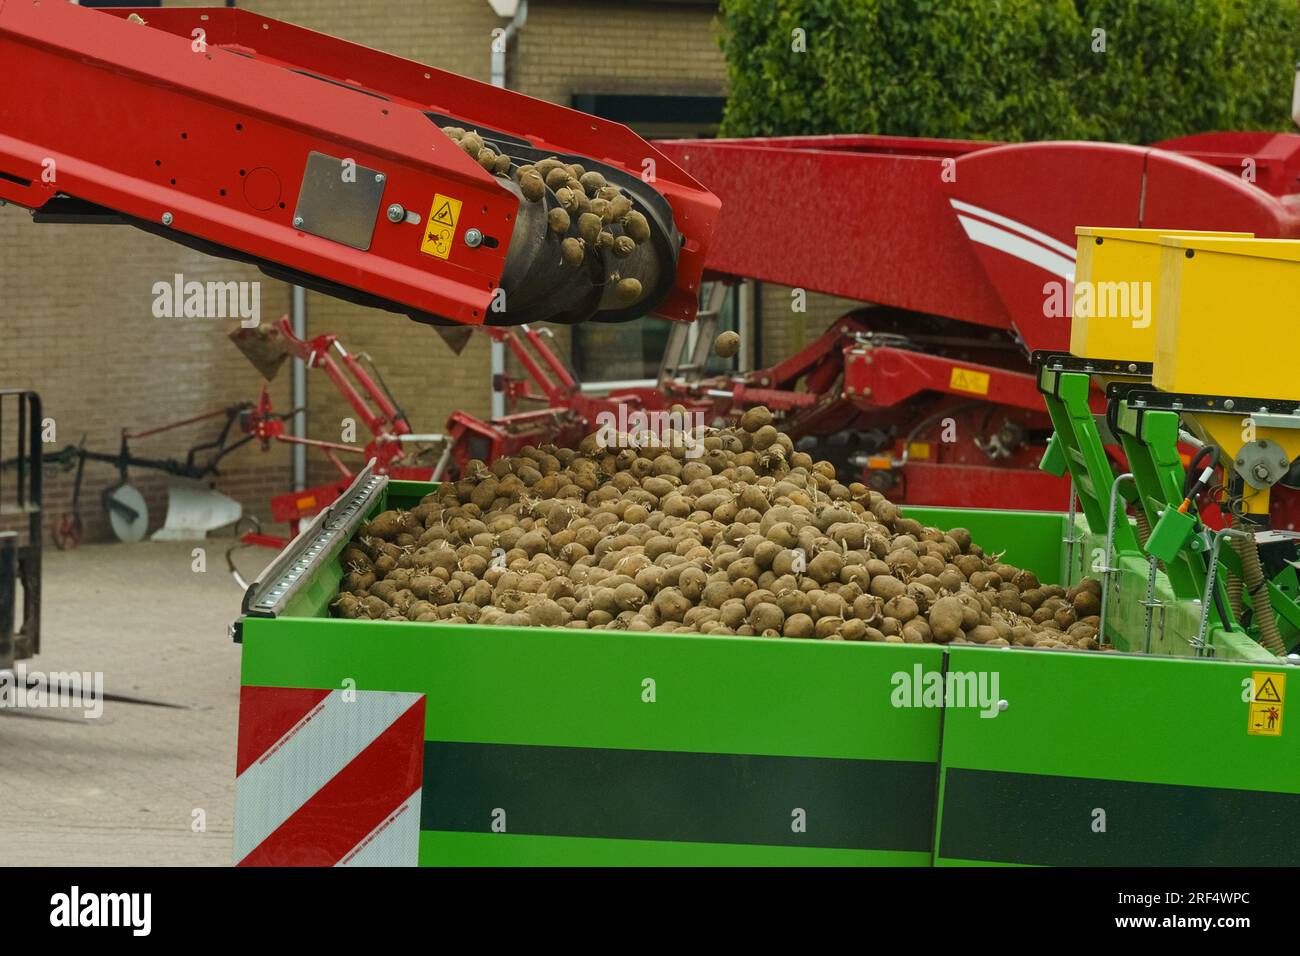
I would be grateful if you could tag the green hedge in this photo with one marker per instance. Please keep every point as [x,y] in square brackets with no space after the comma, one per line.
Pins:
[1009,69]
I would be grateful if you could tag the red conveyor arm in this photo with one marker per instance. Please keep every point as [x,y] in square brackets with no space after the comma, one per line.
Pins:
[323,162]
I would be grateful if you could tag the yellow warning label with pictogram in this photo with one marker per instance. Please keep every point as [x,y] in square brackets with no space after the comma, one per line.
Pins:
[1267,699]
[440,230]
[969,380]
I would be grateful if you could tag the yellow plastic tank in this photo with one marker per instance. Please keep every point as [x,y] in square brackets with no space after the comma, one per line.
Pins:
[1117,291]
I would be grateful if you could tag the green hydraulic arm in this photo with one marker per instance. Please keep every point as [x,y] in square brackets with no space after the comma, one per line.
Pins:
[1076,447]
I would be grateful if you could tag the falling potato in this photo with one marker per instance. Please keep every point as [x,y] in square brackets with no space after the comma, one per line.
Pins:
[726,345]
[627,291]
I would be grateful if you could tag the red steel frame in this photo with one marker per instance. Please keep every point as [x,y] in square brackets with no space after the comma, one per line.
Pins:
[206,116]
[367,399]
[973,232]
[568,415]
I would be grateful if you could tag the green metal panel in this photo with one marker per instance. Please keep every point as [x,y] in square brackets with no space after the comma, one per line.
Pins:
[404,494]
[1158,745]
[554,726]
[1066,395]
[510,849]
[1029,539]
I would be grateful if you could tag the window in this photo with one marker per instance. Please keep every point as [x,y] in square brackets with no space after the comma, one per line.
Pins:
[635,351]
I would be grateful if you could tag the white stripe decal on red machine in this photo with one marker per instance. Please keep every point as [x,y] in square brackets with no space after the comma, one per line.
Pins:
[1014,226]
[395,842]
[1018,246]
[293,769]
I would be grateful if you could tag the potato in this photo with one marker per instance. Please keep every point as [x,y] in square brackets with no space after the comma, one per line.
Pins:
[798,625]
[572,252]
[946,619]
[637,227]
[627,291]
[725,345]
[532,186]
[557,220]
[766,616]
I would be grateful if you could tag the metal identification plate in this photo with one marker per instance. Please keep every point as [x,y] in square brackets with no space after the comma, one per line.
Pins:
[339,200]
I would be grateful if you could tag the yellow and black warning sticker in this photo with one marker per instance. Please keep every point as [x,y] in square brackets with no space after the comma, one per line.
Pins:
[1267,700]
[441,227]
[969,380]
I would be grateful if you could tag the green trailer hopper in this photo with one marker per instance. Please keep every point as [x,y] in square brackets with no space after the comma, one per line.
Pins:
[368,742]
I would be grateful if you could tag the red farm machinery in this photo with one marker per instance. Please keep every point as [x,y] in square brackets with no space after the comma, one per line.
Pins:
[963,255]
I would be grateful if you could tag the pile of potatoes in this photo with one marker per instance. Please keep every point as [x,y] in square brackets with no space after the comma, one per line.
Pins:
[725,531]
[586,214]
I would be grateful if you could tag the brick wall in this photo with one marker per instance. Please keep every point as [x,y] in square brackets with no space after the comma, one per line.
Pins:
[786,331]
[76,309]
[75,301]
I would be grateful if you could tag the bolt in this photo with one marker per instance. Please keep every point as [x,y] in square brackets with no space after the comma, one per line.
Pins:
[167,219]
[297,220]
[1229,404]
[1283,463]
[1240,461]
[396,212]
[1261,472]
[473,238]
[1002,705]
[379,177]
[1132,366]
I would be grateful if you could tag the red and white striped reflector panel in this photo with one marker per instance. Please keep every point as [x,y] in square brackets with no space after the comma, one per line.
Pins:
[328,778]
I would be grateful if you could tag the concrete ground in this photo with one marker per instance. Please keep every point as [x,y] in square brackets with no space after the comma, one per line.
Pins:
[123,789]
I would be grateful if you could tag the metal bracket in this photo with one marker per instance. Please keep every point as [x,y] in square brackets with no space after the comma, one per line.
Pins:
[1151,398]
[1203,649]
[1261,464]
[1070,539]
[1106,570]
[1067,362]
[1272,420]
[1149,604]
[322,539]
